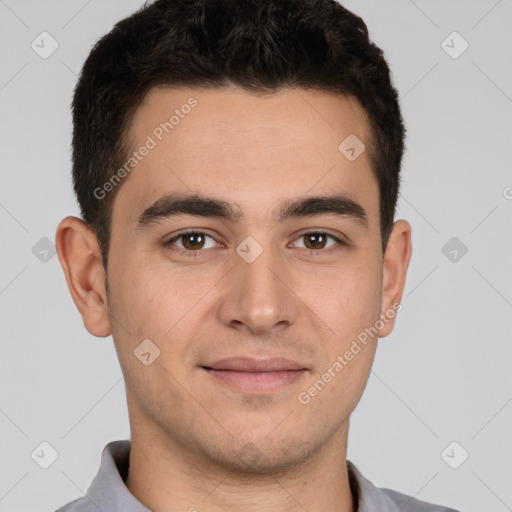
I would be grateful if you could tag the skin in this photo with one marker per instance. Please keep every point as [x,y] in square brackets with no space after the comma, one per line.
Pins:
[197,444]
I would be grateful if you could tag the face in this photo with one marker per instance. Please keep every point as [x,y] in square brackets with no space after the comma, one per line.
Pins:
[267,272]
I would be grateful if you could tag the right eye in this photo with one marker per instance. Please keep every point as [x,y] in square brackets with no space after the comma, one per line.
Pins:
[192,241]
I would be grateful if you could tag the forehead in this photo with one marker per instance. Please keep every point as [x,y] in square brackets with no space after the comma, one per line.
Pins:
[250,149]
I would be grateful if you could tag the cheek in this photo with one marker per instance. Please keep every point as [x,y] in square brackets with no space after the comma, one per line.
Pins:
[161,304]
[146,308]
[348,301]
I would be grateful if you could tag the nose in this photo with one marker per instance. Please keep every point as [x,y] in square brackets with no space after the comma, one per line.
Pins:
[260,295]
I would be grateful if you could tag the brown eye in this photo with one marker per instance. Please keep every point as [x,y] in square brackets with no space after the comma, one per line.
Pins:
[315,240]
[318,240]
[190,241]
[193,241]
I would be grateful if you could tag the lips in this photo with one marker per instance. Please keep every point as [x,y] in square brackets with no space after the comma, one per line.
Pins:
[255,376]
[249,364]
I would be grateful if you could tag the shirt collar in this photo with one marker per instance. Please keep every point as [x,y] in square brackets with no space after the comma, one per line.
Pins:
[367,497]
[109,492]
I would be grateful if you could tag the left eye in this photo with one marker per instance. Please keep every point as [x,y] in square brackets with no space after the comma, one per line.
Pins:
[318,240]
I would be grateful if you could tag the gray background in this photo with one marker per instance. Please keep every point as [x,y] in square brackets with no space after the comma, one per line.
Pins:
[443,375]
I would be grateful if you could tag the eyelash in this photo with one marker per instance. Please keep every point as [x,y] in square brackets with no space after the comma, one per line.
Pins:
[169,243]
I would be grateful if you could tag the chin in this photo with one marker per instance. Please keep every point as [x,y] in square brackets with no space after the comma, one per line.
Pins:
[260,457]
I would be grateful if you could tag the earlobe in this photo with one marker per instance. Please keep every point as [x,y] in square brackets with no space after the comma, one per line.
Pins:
[396,262]
[80,258]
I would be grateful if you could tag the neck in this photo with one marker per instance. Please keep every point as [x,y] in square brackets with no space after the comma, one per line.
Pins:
[167,476]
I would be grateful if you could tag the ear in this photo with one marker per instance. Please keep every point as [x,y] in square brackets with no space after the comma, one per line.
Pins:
[80,257]
[396,261]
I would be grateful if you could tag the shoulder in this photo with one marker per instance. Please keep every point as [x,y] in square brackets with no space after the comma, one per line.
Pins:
[370,498]
[409,504]
[79,505]
[107,490]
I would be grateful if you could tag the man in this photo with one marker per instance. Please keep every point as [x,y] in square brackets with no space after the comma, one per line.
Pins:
[237,168]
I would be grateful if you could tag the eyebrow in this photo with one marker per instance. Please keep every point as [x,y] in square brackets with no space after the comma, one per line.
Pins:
[193,204]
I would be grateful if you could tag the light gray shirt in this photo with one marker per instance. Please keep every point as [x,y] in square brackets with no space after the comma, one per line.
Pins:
[108,493]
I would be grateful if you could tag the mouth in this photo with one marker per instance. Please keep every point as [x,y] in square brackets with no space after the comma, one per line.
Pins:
[254,376]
